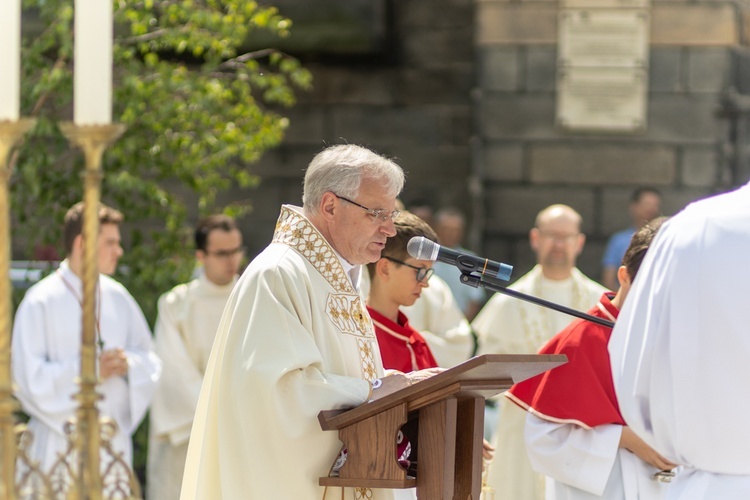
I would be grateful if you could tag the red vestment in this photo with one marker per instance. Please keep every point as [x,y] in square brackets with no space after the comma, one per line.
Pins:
[401,346]
[581,391]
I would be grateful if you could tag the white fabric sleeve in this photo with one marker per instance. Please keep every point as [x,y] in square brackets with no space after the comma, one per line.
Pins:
[144,366]
[44,386]
[570,454]
[180,385]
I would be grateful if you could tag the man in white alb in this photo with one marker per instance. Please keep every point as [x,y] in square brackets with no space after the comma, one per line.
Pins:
[47,345]
[681,346]
[508,325]
[295,339]
[188,317]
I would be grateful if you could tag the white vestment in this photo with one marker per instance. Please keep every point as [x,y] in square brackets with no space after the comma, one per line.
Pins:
[507,325]
[295,339]
[437,317]
[680,350]
[188,317]
[588,464]
[47,360]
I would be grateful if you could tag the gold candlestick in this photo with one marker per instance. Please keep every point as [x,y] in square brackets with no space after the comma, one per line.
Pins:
[11,134]
[93,140]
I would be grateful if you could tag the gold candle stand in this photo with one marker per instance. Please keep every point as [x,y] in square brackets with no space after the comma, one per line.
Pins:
[93,140]
[11,134]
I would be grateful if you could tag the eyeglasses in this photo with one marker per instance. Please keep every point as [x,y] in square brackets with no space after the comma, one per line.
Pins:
[423,273]
[381,214]
[227,254]
[563,238]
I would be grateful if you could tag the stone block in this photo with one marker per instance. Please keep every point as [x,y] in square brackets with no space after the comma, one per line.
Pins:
[613,209]
[350,85]
[445,86]
[709,69]
[700,24]
[741,69]
[541,68]
[498,68]
[432,14]
[437,48]
[522,116]
[596,163]
[666,69]
[684,118]
[700,167]
[513,209]
[389,126]
[499,23]
[306,125]
[502,162]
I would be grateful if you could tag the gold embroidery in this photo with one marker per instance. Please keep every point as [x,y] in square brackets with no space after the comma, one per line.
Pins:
[344,308]
[362,493]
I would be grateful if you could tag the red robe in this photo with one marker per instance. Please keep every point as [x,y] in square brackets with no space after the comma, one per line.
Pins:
[581,391]
[401,346]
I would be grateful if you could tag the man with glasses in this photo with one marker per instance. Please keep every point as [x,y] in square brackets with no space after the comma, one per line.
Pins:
[296,339]
[507,325]
[188,317]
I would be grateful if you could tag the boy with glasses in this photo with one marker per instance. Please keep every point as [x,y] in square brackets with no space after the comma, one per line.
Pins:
[397,280]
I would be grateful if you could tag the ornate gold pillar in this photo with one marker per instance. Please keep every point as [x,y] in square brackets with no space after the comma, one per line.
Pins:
[11,133]
[93,140]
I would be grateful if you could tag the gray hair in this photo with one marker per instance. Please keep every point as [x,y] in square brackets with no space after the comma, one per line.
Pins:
[341,168]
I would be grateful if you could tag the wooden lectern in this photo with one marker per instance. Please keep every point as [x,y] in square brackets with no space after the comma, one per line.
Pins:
[448,410]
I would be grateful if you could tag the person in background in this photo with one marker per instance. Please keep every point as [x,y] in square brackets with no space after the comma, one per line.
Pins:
[46,346]
[450,223]
[186,324]
[575,434]
[507,325]
[680,348]
[645,205]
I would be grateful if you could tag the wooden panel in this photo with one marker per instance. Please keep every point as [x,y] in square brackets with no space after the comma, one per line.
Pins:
[437,450]
[469,438]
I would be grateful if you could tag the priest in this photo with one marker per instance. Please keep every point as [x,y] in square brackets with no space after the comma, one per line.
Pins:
[295,339]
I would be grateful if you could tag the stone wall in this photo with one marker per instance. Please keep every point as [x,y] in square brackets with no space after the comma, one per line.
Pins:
[527,163]
[463,95]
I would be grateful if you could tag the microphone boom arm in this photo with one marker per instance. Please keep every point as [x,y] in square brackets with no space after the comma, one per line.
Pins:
[496,286]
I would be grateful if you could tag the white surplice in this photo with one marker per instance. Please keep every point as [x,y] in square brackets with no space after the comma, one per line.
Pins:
[588,464]
[680,350]
[295,339]
[186,324]
[507,325]
[47,354]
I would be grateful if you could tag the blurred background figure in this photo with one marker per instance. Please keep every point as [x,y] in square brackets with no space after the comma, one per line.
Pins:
[507,325]
[188,317]
[645,205]
[450,224]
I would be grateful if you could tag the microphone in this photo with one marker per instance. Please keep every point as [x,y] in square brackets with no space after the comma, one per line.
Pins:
[421,248]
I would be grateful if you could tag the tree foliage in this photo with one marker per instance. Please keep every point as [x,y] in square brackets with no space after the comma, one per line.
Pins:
[198,110]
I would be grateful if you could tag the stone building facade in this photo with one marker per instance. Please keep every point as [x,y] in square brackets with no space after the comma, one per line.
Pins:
[462,93]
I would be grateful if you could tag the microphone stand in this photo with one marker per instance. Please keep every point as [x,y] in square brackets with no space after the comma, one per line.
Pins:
[496,286]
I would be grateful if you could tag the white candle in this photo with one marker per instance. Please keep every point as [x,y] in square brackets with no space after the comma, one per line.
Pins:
[10,59]
[92,75]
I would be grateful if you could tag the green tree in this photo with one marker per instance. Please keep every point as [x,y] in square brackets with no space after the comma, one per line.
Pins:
[198,112]
[198,109]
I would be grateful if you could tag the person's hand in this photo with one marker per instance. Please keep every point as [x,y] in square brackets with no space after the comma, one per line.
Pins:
[113,363]
[488,451]
[388,385]
[631,442]
[420,375]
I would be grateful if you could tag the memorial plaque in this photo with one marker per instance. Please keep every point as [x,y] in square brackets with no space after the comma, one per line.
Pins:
[602,67]
[603,37]
[602,99]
